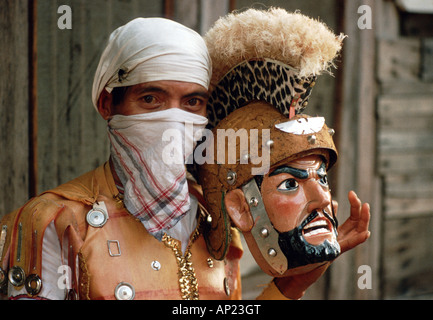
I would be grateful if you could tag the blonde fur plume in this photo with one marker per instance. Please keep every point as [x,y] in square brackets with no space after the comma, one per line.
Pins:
[291,38]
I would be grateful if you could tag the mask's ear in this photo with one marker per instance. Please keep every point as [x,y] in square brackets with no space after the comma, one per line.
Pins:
[238,210]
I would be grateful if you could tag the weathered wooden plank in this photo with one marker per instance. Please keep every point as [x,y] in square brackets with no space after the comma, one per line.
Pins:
[416,185]
[405,106]
[407,269]
[404,207]
[14,99]
[405,163]
[410,123]
[411,140]
[398,59]
[402,88]
[427,59]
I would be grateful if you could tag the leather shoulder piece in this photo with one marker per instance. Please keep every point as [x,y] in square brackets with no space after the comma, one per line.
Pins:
[21,243]
[22,231]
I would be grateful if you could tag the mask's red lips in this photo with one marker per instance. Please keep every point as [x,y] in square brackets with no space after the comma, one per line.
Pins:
[318,230]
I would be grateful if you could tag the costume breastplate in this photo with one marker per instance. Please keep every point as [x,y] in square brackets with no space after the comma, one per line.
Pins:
[121,260]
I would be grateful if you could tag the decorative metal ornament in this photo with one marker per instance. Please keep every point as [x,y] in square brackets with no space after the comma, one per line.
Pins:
[124,291]
[110,252]
[227,287]
[188,284]
[97,217]
[302,126]
[263,232]
[16,276]
[156,265]
[33,285]
[312,139]
[254,202]
[272,252]
[231,177]
[210,262]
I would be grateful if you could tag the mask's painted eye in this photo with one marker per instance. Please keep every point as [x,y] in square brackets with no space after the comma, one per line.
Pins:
[324,181]
[323,177]
[288,185]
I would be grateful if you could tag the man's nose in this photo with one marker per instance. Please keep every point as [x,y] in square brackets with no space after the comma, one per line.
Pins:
[173,103]
[317,196]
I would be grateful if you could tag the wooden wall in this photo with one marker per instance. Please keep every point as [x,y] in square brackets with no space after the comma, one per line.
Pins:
[14,102]
[405,156]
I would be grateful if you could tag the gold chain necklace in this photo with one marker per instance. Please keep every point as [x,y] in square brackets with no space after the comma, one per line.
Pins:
[187,278]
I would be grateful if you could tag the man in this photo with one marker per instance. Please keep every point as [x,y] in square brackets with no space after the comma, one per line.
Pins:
[130,229]
[276,191]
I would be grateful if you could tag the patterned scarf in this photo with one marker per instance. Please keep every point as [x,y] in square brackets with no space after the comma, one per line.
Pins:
[148,152]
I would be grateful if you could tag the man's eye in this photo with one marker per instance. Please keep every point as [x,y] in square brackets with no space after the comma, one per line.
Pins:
[149,99]
[288,185]
[194,102]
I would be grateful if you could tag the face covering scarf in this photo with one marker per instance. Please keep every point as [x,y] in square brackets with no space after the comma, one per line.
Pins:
[149,153]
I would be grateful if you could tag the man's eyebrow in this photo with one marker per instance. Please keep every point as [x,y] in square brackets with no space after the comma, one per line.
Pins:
[203,94]
[147,89]
[297,173]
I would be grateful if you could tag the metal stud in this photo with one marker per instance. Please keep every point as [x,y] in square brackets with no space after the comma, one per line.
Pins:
[331,132]
[254,202]
[264,233]
[210,262]
[33,285]
[245,158]
[156,265]
[97,217]
[124,291]
[312,139]
[270,143]
[226,287]
[231,177]
[272,252]
[209,219]
[16,276]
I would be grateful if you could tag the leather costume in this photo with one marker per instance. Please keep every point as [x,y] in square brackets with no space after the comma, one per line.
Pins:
[120,252]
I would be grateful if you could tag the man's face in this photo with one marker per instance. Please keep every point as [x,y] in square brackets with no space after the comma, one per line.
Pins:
[161,95]
[297,199]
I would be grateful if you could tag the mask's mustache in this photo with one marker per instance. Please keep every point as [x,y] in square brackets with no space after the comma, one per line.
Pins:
[315,213]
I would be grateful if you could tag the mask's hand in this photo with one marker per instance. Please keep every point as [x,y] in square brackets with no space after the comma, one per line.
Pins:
[354,230]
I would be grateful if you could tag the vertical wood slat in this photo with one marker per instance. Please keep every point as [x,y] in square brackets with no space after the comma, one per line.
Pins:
[356,164]
[33,104]
[14,99]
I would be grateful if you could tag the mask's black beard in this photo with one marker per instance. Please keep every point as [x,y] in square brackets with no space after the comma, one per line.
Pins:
[301,253]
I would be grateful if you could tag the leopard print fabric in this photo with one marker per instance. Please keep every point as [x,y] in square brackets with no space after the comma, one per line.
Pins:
[266,80]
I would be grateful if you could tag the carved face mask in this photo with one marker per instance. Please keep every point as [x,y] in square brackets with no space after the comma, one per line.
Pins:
[298,203]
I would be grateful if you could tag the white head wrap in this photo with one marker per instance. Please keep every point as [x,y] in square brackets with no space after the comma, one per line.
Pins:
[152,49]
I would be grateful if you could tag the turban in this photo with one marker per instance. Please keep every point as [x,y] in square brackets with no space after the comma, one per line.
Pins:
[152,49]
